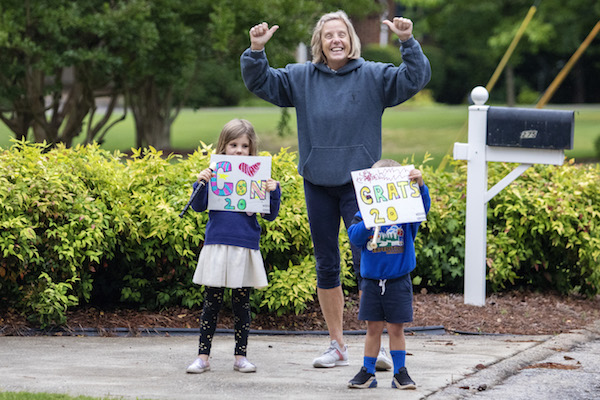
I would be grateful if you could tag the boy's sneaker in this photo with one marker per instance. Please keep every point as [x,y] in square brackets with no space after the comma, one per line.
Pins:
[243,365]
[383,361]
[363,380]
[198,366]
[402,380]
[334,356]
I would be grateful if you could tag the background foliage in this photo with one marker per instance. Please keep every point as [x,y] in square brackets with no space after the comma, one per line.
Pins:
[85,226]
[151,58]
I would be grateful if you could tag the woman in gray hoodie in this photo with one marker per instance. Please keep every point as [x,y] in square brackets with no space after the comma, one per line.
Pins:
[339,100]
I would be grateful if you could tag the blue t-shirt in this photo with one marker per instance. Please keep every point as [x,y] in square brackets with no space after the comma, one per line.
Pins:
[395,254]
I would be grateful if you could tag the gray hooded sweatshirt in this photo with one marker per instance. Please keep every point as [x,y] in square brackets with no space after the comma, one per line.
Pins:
[338,112]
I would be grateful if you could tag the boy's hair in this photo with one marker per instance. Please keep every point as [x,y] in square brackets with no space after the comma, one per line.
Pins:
[317,46]
[386,162]
[234,129]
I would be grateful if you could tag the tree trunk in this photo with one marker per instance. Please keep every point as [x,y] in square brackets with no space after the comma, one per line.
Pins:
[34,93]
[19,121]
[510,86]
[151,109]
[79,102]
[579,83]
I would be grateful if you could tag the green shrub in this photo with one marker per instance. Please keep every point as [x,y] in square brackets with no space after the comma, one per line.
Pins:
[527,95]
[50,301]
[440,243]
[384,54]
[541,230]
[82,225]
[217,84]
[291,288]
[53,220]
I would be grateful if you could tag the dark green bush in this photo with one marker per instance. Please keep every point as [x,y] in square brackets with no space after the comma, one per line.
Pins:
[82,225]
[384,54]
[541,230]
[217,84]
[56,223]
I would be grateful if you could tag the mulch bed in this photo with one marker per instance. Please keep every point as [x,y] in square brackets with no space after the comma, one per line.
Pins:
[517,312]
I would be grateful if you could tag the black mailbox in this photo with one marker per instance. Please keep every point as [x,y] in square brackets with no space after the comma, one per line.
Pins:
[530,128]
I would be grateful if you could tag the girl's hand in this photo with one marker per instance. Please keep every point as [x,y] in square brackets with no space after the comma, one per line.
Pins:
[205,175]
[272,185]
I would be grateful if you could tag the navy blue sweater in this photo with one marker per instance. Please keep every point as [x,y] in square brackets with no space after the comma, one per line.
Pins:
[395,255]
[233,228]
[338,112]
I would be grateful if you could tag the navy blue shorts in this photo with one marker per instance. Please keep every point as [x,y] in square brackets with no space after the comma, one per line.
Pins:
[394,305]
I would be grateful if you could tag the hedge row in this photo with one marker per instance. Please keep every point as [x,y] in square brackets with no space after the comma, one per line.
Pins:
[83,225]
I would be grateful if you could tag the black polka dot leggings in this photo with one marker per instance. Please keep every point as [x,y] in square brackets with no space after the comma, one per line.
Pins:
[240,303]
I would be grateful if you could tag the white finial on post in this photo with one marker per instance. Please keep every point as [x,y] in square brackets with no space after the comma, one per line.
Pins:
[479,95]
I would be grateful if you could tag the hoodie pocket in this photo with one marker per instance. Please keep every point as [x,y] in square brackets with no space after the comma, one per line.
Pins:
[331,166]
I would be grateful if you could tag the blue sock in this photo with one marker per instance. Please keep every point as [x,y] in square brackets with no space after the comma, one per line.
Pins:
[369,364]
[399,358]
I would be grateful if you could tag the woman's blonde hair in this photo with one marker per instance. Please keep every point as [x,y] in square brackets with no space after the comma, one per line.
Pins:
[235,129]
[317,45]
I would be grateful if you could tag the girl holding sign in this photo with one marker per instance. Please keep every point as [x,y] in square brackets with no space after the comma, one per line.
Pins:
[230,257]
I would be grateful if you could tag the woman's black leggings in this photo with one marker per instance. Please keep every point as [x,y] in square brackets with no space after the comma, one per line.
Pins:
[240,303]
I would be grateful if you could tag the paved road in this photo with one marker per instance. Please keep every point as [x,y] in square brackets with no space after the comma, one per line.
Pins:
[444,367]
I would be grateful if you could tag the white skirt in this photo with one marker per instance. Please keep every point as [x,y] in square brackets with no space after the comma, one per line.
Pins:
[220,265]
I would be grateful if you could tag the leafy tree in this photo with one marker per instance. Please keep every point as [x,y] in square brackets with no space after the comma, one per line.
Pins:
[41,42]
[197,48]
[152,52]
[473,37]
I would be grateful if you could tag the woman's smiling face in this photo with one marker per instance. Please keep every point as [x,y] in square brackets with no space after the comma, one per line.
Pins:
[336,43]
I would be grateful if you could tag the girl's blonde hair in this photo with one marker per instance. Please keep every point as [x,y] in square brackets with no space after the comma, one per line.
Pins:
[235,129]
[317,45]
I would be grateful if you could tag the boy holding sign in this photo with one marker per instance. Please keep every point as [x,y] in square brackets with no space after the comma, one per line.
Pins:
[230,257]
[387,258]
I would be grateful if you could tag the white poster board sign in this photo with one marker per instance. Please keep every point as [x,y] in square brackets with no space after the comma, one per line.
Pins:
[239,183]
[385,196]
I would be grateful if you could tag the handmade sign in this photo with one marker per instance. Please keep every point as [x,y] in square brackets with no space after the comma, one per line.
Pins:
[239,183]
[386,196]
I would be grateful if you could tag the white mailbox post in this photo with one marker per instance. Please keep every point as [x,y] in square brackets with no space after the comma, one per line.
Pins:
[524,136]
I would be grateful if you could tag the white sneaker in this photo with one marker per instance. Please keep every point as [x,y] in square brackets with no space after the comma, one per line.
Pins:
[334,356]
[198,366]
[243,365]
[383,361]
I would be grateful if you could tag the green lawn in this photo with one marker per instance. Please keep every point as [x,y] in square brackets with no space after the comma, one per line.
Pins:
[407,130]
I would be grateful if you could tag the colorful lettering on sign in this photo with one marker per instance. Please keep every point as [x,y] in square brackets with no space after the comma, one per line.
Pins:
[379,197]
[241,188]
[258,189]
[382,195]
[366,196]
[227,189]
[415,187]
[392,192]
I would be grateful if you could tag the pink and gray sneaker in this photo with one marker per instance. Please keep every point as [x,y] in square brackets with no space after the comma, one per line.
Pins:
[334,356]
